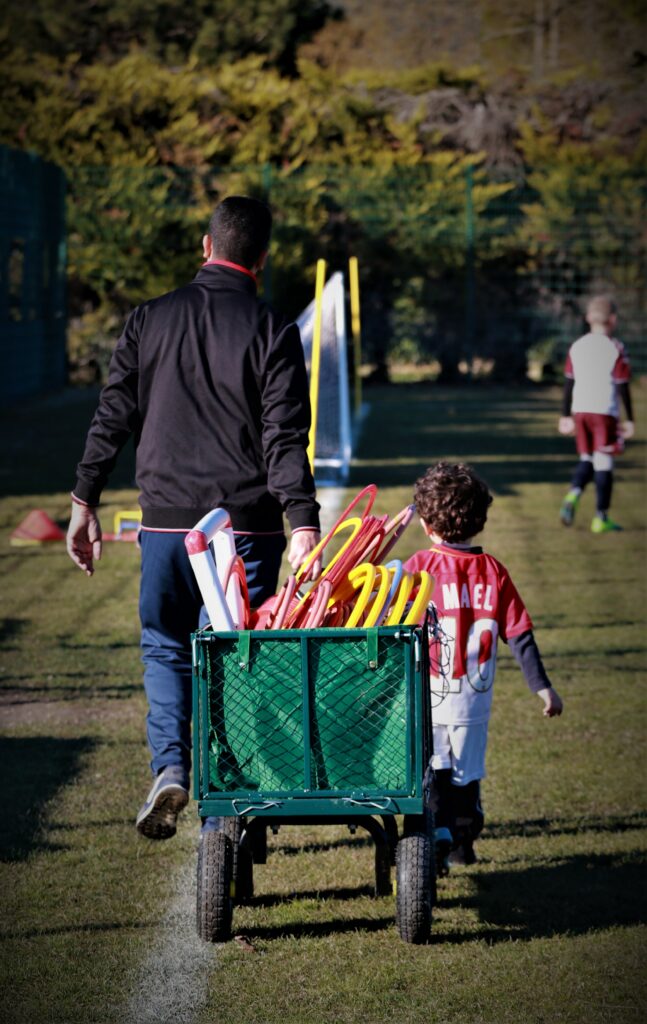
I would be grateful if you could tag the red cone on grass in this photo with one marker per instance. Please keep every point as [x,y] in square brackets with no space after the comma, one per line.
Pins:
[36,528]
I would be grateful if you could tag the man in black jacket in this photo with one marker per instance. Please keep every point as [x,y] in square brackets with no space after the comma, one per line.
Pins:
[212,385]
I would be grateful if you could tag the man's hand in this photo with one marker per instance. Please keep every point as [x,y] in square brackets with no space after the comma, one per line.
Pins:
[552,701]
[84,537]
[566,425]
[302,544]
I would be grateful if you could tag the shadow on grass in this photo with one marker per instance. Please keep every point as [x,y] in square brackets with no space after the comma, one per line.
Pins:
[10,630]
[293,850]
[43,440]
[319,929]
[566,826]
[34,770]
[89,825]
[427,423]
[55,693]
[281,899]
[511,428]
[79,929]
[98,645]
[578,895]
[574,895]
[503,476]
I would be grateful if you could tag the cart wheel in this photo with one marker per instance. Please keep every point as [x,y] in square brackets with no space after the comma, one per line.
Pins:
[414,892]
[242,869]
[214,904]
[383,885]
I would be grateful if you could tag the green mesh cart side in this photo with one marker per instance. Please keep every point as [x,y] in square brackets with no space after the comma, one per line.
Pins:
[311,722]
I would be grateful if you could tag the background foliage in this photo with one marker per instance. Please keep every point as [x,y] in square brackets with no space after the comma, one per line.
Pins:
[475,158]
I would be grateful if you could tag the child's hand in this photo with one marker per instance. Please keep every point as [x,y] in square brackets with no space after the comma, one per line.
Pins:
[552,701]
[566,425]
[627,429]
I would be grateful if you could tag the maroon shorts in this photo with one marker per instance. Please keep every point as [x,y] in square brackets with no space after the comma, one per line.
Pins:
[597,433]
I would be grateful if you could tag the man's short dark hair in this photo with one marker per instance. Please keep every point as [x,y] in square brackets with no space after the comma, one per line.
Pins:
[453,501]
[240,229]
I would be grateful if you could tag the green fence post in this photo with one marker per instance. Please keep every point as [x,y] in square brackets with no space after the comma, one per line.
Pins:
[32,274]
[470,284]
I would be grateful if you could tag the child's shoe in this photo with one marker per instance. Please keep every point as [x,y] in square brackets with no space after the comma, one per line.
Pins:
[463,854]
[602,524]
[569,507]
[157,818]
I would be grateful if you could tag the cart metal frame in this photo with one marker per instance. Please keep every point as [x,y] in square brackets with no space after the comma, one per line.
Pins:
[382,675]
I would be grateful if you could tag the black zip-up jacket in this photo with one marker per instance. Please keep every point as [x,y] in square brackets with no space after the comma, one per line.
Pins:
[212,385]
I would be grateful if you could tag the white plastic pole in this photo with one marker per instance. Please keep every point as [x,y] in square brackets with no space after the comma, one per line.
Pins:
[224,548]
[204,567]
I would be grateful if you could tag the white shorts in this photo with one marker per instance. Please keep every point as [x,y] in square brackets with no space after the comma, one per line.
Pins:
[461,748]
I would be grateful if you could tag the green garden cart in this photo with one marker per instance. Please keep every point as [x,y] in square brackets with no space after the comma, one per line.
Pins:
[316,727]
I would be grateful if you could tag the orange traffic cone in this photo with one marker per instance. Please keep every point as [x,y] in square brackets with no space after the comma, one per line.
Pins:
[36,528]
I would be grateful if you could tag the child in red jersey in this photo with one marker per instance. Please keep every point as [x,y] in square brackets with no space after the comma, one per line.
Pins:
[476,602]
[597,375]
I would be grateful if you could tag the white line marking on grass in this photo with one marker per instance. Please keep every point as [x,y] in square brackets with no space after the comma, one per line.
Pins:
[173,982]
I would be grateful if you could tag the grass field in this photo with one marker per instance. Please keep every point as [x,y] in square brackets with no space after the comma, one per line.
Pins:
[549,926]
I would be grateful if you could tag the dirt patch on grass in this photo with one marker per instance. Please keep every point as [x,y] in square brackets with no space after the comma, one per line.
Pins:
[17,711]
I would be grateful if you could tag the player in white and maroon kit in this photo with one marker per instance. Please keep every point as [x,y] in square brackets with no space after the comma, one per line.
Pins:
[477,603]
[597,373]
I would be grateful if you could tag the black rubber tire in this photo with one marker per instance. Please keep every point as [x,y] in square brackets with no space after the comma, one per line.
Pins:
[233,827]
[383,885]
[414,899]
[214,903]
[242,868]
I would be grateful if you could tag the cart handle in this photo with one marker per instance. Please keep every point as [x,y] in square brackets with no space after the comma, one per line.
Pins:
[262,805]
[380,805]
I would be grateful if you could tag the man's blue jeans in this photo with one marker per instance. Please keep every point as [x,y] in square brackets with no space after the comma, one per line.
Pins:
[170,609]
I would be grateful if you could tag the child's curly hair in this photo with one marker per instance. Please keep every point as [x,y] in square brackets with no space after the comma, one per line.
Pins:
[453,501]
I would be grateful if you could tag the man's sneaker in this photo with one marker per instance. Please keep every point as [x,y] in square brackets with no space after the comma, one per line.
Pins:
[463,854]
[442,844]
[569,507]
[602,524]
[169,795]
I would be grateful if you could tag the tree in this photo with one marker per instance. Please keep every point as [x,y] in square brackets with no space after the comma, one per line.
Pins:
[171,30]
[582,228]
[161,112]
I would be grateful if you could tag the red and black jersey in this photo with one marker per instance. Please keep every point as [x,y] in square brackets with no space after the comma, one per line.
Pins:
[598,365]
[477,603]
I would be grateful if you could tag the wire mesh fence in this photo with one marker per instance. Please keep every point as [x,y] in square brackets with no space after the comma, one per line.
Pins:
[456,265]
[310,712]
[32,275]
